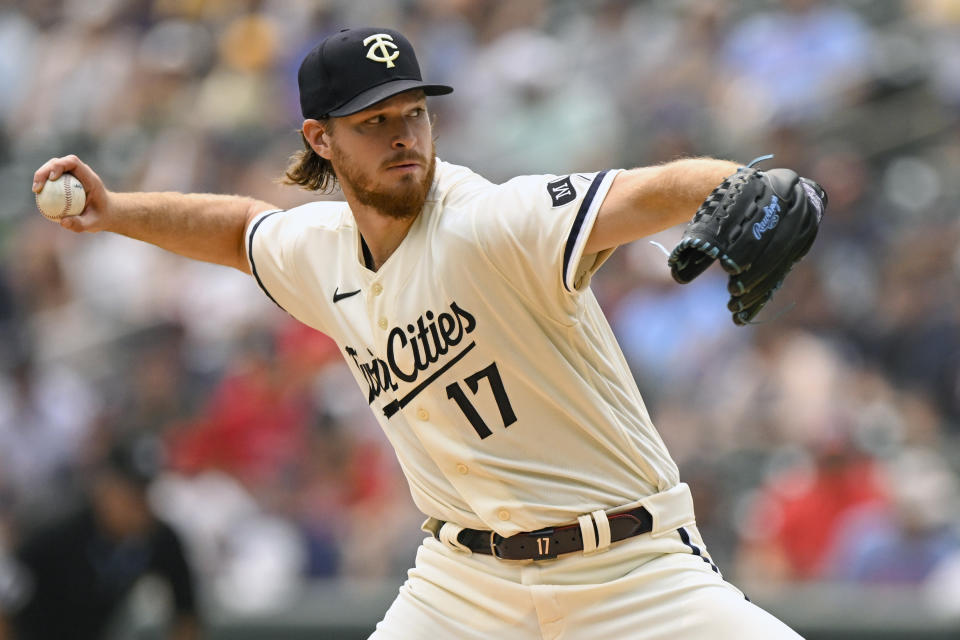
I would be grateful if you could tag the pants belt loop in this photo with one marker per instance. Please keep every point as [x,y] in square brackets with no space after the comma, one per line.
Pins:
[448,536]
[670,509]
[603,529]
[586,532]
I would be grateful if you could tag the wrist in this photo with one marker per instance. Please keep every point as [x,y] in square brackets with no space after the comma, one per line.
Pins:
[110,210]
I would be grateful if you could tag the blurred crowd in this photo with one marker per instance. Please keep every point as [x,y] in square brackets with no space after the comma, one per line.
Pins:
[821,444]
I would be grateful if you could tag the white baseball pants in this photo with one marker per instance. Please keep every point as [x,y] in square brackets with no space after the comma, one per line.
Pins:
[661,587]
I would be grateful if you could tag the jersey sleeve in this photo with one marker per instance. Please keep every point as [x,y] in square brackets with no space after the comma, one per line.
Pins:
[271,243]
[534,230]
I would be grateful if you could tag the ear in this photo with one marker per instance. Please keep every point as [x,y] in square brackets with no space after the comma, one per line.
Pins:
[316,134]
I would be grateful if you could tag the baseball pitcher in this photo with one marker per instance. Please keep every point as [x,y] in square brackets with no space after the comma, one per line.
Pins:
[464,311]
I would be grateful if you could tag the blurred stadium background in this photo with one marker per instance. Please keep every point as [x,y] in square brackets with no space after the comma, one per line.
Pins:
[822,446]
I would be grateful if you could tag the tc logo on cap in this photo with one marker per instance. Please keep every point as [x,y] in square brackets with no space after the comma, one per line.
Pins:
[378,51]
[334,82]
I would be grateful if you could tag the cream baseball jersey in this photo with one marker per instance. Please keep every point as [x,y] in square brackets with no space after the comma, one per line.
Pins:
[479,346]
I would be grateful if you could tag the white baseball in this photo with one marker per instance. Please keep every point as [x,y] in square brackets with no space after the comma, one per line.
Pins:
[62,197]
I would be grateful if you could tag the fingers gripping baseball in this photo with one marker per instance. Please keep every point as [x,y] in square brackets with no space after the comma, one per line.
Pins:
[90,217]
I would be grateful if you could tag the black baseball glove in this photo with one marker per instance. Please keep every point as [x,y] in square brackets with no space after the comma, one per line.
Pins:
[759,224]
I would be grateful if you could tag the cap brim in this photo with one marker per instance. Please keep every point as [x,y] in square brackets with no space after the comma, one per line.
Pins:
[386,90]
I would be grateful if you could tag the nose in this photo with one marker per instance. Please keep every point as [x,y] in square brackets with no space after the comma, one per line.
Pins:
[403,136]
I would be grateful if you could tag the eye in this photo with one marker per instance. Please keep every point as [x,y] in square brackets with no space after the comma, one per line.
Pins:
[417,112]
[375,119]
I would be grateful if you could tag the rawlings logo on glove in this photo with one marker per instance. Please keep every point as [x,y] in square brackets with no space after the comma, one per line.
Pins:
[770,218]
[782,212]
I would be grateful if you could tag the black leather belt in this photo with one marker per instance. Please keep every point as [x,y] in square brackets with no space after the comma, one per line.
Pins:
[555,541]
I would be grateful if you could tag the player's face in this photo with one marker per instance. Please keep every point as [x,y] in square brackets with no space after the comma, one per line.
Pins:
[384,155]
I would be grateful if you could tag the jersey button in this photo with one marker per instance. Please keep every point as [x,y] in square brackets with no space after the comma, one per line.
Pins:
[462,469]
[377,288]
[382,323]
[503,514]
[422,414]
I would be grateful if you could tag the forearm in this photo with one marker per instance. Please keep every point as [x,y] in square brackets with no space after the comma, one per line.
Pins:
[669,194]
[202,226]
[206,227]
[647,200]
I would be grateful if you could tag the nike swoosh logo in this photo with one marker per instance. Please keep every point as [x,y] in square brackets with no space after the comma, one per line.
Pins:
[337,297]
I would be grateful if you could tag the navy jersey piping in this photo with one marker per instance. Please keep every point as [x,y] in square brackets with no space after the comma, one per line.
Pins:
[253,266]
[578,223]
[367,255]
[685,537]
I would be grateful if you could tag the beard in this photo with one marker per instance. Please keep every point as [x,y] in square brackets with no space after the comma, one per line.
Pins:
[403,201]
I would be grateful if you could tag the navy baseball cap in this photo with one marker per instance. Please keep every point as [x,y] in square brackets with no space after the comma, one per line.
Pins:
[356,68]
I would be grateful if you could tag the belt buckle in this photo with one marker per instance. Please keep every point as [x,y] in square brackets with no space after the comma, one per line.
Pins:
[493,546]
